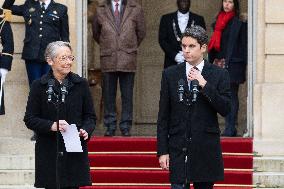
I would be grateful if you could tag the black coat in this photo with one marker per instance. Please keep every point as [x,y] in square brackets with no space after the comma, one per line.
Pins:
[193,131]
[6,56]
[40,31]
[167,38]
[234,47]
[39,117]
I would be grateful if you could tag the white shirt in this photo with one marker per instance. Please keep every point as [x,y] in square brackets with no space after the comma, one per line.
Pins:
[182,20]
[47,2]
[189,66]
[114,3]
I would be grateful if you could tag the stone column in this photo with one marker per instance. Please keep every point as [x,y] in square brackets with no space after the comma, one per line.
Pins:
[269,80]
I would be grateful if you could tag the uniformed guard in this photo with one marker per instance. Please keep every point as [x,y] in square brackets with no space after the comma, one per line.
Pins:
[7,50]
[46,21]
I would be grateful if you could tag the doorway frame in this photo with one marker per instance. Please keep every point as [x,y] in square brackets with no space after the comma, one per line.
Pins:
[251,69]
[82,63]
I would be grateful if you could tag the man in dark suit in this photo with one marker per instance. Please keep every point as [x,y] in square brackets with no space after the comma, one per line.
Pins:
[172,26]
[188,132]
[6,55]
[46,21]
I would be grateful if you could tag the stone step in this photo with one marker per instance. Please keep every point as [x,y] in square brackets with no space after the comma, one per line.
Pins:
[15,146]
[269,179]
[17,177]
[17,162]
[269,163]
[17,187]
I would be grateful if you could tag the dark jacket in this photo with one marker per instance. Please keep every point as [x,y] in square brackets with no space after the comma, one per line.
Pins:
[39,117]
[6,56]
[167,38]
[40,31]
[119,44]
[7,42]
[193,130]
[234,47]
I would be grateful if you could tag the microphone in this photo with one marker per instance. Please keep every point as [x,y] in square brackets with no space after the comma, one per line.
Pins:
[195,90]
[180,89]
[49,91]
[64,91]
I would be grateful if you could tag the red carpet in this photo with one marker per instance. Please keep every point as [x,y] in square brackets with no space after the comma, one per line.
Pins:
[121,162]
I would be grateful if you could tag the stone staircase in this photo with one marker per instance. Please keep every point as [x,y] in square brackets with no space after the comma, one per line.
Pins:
[269,171]
[16,163]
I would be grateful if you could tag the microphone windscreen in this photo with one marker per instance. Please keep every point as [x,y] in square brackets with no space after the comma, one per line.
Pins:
[195,82]
[51,82]
[181,82]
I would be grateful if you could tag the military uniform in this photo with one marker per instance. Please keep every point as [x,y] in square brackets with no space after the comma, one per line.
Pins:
[6,55]
[43,26]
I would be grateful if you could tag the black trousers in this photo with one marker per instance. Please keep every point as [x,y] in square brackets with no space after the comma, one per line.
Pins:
[196,185]
[126,83]
[232,117]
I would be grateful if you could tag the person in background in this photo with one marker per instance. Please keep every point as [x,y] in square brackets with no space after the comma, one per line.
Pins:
[45,21]
[188,134]
[228,50]
[41,117]
[119,28]
[172,26]
[6,55]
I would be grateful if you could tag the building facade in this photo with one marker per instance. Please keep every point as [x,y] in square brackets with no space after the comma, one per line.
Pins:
[262,95]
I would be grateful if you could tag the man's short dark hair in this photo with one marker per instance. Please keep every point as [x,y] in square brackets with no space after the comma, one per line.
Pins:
[198,33]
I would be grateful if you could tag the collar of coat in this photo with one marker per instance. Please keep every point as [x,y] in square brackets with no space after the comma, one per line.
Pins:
[124,2]
[72,78]
[206,72]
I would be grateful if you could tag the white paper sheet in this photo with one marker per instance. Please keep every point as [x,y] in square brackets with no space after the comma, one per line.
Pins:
[71,139]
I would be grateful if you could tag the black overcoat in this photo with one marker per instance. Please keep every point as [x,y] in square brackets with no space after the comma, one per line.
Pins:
[42,28]
[193,130]
[168,38]
[39,117]
[234,48]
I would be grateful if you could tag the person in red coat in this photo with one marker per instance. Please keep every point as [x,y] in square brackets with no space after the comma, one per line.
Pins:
[228,49]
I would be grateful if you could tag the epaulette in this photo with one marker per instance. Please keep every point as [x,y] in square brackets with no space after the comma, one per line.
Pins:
[7,15]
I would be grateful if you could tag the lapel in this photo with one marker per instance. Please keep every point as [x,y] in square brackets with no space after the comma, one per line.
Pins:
[234,30]
[207,70]
[109,14]
[127,9]
[175,20]
[191,21]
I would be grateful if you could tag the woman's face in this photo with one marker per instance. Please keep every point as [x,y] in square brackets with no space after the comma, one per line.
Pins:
[228,5]
[62,63]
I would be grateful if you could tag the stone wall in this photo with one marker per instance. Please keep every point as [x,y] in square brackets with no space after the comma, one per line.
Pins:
[269,81]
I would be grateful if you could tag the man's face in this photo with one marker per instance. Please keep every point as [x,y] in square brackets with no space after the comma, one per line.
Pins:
[192,51]
[183,5]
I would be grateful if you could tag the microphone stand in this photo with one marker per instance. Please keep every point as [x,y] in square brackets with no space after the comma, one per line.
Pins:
[190,102]
[58,153]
